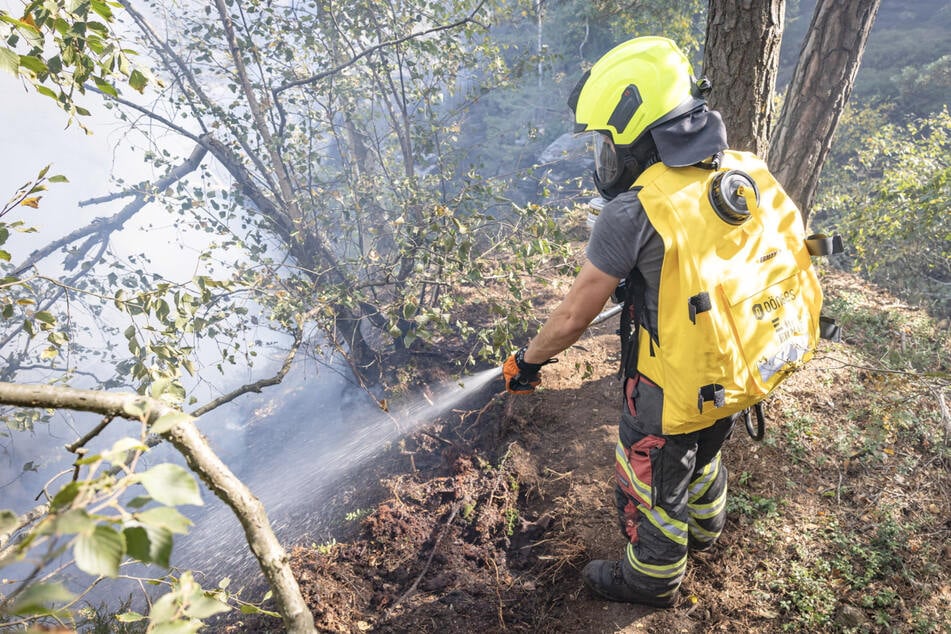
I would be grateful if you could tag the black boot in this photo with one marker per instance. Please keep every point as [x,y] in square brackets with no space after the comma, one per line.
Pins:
[696,545]
[606,579]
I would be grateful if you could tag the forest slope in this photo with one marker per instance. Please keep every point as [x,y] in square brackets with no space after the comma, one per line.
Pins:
[838,520]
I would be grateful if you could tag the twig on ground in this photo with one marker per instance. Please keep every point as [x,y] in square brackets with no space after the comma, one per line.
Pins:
[946,416]
[498,592]
[429,560]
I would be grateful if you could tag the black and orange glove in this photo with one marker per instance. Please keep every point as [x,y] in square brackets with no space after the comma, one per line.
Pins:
[522,377]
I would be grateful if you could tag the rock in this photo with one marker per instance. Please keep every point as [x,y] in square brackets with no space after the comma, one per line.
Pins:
[566,147]
[849,616]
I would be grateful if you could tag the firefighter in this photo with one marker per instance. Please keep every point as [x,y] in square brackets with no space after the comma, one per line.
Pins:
[642,105]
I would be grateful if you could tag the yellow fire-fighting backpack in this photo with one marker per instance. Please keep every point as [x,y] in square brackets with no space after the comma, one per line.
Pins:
[739,300]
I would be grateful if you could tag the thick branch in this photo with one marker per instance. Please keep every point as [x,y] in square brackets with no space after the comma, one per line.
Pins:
[283,177]
[308,249]
[185,436]
[174,62]
[257,386]
[103,227]
[108,198]
[231,162]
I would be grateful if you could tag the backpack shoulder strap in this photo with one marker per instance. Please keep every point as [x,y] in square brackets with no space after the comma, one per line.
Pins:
[634,315]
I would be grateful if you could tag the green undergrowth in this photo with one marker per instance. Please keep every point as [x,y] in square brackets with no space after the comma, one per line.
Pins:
[847,495]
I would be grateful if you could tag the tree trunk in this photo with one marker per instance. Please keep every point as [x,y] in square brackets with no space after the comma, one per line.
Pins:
[817,94]
[741,58]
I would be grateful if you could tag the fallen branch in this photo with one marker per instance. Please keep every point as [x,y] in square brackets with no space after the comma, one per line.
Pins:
[429,561]
[946,416]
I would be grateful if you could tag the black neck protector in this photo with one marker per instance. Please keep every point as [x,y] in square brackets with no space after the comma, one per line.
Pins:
[635,158]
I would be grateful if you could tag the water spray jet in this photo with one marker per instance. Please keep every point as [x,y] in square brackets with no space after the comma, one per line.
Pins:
[297,483]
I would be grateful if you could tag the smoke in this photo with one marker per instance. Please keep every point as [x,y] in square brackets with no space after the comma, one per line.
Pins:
[295,477]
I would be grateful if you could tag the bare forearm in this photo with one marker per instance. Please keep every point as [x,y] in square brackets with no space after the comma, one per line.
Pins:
[568,322]
[558,333]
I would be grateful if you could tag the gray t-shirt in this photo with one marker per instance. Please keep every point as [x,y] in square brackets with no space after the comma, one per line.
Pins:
[622,239]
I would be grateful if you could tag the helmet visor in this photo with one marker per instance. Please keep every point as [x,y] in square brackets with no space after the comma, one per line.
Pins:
[605,160]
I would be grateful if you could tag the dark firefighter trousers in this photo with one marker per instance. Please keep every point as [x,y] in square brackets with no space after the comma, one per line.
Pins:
[670,493]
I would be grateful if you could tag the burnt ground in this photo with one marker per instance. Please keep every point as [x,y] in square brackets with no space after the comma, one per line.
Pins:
[838,521]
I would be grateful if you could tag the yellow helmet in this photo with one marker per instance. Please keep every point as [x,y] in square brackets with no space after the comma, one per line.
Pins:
[634,87]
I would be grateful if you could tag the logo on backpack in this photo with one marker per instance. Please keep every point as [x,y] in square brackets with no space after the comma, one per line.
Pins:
[774,303]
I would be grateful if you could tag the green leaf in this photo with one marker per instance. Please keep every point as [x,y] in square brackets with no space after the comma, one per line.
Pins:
[56,338]
[138,81]
[121,448]
[165,517]
[102,9]
[58,178]
[129,617]
[9,61]
[8,520]
[177,627]
[158,387]
[35,600]
[167,421]
[55,65]
[34,64]
[65,496]
[202,606]
[164,610]
[138,502]
[47,91]
[135,409]
[171,485]
[45,316]
[91,458]
[72,522]
[100,551]
[149,544]
[247,608]
[105,87]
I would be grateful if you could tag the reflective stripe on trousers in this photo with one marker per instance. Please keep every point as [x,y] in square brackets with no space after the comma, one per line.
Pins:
[686,485]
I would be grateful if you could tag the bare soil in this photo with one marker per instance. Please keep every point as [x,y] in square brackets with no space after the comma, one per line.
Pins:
[488,516]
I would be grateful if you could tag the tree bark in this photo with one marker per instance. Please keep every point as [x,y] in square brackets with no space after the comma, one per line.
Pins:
[741,58]
[817,95]
[186,437]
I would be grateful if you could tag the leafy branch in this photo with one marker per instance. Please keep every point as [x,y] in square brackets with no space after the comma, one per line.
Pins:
[180,430]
